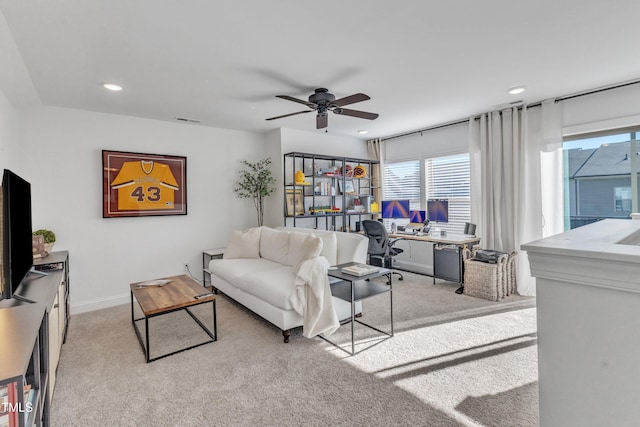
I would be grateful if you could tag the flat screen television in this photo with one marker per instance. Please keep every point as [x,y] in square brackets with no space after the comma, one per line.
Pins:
[395,209]
[438,210]
[17,252]
[417,217]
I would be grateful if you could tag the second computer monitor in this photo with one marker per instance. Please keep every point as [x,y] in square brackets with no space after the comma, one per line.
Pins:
[417,217]
[395,209]
[438,210]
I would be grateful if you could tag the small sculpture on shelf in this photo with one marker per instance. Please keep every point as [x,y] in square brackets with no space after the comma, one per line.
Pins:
[300,178]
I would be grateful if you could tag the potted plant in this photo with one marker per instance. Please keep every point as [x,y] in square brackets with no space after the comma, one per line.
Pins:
[49,238]
[256,182]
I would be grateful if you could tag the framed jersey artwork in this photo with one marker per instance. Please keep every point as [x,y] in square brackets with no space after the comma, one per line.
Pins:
[136,184]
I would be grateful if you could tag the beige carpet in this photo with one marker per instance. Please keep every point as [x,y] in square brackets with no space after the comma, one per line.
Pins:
[454,361]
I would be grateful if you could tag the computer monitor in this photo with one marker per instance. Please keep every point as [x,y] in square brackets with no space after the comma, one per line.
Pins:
[417,217]
[438,210]
[395,209]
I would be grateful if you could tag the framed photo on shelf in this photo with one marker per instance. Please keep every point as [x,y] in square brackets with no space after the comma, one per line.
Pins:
[294,202]
[348,187]
[137,184]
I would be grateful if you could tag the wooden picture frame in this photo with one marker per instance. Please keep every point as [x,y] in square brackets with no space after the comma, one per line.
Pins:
[348,187]
[138,184]
[294,198]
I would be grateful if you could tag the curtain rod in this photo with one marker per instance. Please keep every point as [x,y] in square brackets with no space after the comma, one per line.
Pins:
[535,104]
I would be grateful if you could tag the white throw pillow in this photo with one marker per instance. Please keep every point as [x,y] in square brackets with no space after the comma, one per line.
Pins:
[302,246]
[244,244]
[274,245]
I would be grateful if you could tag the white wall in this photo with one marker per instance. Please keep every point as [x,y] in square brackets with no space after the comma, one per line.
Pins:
[319,142]
[602,111]
[8,128]
[595,112]
[63,148]
[438,142]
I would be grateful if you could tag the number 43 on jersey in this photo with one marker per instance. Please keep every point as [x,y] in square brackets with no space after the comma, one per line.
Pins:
[145,185]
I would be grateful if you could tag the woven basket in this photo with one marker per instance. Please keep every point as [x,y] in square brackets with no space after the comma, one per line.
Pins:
[510,284]
[484,280]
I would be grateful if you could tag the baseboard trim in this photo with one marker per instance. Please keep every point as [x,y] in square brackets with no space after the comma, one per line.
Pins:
[99,303]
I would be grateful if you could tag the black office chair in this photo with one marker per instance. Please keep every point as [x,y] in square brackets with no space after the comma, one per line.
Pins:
[381,248]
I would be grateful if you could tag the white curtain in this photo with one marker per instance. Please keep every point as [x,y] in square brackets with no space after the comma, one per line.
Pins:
[507,165]
[376,152]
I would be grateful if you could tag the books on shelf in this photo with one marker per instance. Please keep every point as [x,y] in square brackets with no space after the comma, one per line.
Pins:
[360,269]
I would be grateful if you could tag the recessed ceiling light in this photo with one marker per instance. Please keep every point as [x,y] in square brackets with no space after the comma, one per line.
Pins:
[112,86]
[363,132]
[516,90]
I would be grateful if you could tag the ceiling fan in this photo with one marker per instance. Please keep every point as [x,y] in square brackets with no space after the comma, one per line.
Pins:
[322,101]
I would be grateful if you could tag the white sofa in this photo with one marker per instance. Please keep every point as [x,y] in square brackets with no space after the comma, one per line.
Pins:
[258,269]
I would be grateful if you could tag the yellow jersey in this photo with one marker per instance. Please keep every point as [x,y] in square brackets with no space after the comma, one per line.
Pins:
[145,185]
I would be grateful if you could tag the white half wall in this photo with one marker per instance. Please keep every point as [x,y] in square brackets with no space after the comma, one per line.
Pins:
[62,148]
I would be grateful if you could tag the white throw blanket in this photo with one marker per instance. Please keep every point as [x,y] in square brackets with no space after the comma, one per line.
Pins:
[312,298]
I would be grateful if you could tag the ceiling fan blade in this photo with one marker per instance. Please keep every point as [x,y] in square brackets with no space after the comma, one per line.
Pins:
[322,121]
[299,101]
[356,113]
[287,115]
[352,99]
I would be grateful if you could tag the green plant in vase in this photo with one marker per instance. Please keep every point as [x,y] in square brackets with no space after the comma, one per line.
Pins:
[49,238]
[256,182]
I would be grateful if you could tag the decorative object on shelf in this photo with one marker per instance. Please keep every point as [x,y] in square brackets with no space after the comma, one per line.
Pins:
[348,187]
[327,209]
[324,189]
[330,171]
[374,207]
[294,202]
[347,171]
[37,245]
[300,178]
[136,184]
[256,183]
[48,239]
[359,172]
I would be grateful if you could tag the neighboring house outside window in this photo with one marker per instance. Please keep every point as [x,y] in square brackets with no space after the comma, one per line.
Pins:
[598,177]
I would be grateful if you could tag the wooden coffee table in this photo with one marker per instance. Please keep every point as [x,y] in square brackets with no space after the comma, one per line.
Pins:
[179,294]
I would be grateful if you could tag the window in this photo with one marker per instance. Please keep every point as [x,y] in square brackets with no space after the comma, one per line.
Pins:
[597,167]
[402,181]
[622,199]
[445,177]
[449,178]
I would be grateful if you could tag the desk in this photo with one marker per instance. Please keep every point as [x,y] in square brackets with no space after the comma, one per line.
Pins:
[447,254]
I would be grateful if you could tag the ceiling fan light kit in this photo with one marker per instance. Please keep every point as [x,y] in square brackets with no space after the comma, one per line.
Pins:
[322,101]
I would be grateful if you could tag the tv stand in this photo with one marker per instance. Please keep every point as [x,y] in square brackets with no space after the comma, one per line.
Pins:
[32,328]
[36,274]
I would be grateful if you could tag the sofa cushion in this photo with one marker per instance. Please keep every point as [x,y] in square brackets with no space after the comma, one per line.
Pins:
[232,269]
[329,246]
[244,244]
[274,286]
[274,245]
[302,246]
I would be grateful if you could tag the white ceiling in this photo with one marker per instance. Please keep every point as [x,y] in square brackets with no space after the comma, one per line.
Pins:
[222,62]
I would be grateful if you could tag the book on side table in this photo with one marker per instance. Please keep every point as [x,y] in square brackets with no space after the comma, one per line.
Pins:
[360,269]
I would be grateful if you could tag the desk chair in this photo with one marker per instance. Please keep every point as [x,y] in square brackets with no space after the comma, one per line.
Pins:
[381,248]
